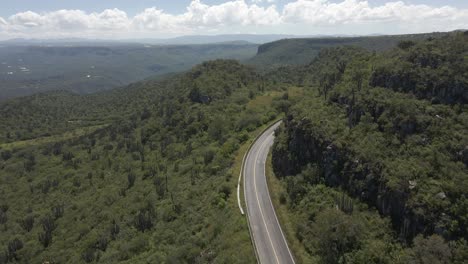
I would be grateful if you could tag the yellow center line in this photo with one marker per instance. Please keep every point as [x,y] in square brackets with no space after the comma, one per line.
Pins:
[258,200]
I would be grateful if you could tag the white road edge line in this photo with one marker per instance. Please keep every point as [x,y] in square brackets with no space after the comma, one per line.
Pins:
[258,200]
[274,211]
[238,185]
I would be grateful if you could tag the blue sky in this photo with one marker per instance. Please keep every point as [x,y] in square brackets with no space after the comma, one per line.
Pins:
[122,19]
[174,6]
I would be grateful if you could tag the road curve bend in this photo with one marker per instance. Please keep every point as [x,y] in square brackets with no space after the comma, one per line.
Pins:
[268,238]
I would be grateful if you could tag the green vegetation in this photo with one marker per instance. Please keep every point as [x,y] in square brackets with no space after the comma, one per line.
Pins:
[370,163]
[378,150]
[86,68]
[52,113]
[302,51]
[155,186]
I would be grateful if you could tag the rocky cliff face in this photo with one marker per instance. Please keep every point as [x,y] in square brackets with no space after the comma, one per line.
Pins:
[390,129]
[298,144]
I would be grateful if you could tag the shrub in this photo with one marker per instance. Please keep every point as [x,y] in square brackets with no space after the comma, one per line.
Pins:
[14,246]
[225,190]
[114,229]
[48,225]
[88,255]
[102,242]
[58,211]
[45,238]
[131,180]
[27,223]
[6,155]
[143,220]
[3,217]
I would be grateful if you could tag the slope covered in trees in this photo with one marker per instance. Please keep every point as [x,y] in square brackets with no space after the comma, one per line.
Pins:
[302,51]
[372,158]
[56,112]
[90,67]
[390,132]
[156,185]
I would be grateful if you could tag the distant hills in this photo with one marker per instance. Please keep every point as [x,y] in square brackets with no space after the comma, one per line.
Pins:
[29,66]
[303,50]
[182,40]
[201,39]
[205,39]
[91,67]
[368,166]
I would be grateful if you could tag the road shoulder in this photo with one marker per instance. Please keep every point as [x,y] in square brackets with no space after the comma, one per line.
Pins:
[277,188]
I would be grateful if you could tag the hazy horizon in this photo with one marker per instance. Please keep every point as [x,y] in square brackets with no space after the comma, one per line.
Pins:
[254,39]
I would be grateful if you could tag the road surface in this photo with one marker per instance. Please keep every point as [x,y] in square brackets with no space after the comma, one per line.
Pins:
[268,238]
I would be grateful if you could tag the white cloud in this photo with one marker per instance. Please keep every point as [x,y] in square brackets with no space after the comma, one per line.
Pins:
[262,1]
[324,12]
[155,20]
[199,16]
[299,17]
[112,19]
[26,19]
[66,23]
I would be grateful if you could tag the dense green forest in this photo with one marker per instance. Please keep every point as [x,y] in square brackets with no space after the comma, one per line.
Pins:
[302,51]
[383,137]
[90,67]
[371,159]
[156,186]
[51,113]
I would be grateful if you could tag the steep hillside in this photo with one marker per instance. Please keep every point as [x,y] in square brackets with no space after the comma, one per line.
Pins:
[302,51]
[154,185]
[55,112]
[371,161]
[385,132]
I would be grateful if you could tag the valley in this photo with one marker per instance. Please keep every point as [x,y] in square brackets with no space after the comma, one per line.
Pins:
[86,68]
[368,164]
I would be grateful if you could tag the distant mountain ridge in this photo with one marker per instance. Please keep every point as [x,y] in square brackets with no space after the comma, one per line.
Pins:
[181,40]
[204,39]
[197,39]
[299,51]
[87,68]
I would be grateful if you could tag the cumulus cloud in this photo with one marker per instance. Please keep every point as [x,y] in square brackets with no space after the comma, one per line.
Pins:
[263,1]
[305,16]
[74,20]
[199,16]
[66,23]
[323,12]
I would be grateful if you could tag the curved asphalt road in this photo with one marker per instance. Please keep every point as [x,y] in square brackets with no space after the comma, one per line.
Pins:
[269,240]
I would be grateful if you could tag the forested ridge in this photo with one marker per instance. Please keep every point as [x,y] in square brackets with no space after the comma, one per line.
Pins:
[390,132]
[156,185]
[371,157]
[302,51]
